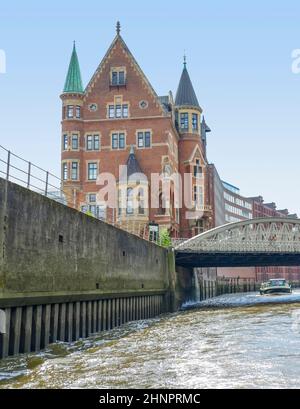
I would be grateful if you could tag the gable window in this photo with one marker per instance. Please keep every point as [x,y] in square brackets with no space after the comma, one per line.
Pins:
[65,142]
[118,111]
[118,141]
[184,120]
[195,122]
[92,170]
[197,169]
[70,111]
[65,171]
[118,78]
[78,111]
[92,143]
[74,173]
[75,142]
[144,139]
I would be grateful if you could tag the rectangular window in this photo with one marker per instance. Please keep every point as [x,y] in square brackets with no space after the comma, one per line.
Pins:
[118,78]
[92,142]
[198,195]
[74,174]
[118,111]
[197,169]
[92,171]
[121,78]
[96,142]
[111,111]
[114,78]
[125,111]
[75,144]
[78,111]
[184,120]
[92,198]
[144,139]
[118,141]
[65,142]
[70,111]
[121,141]
[115,143]
[65,171]
[195,122]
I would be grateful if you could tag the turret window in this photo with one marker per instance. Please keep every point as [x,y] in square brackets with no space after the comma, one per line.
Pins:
[70,111]
[65,142]
[75,142]
[78,111]
[74,173]
[195,122]
[65,171]
[198,196]
[184,120]
[129,206]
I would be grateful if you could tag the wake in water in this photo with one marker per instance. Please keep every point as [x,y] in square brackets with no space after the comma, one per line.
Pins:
[242,300]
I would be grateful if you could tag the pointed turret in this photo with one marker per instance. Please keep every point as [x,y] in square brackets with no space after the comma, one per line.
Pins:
[186,95]
[73,82]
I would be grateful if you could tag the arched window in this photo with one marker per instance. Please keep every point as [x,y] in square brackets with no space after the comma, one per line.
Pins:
[162,205]
[129,206]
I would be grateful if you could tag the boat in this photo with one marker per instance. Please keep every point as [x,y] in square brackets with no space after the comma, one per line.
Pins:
[275,286]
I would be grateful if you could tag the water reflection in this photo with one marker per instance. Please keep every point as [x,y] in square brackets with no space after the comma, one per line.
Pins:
[256,345]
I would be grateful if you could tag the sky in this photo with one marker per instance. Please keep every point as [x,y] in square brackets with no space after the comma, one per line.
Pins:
[239,57]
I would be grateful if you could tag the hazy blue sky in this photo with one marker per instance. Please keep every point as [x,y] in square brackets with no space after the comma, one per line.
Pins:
[239,59]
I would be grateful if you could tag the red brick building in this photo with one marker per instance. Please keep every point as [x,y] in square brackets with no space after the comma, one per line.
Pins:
[118,119]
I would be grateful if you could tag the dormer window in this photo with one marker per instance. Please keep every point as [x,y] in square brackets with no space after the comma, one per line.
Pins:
[198,169]
[118,76]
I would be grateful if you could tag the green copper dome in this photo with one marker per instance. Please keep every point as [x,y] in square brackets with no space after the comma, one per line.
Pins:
[73,82]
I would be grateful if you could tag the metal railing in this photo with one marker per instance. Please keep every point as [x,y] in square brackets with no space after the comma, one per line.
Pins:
[16,169]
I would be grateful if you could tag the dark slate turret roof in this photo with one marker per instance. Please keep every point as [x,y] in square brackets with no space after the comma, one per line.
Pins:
[186,95]
[73,82]
[133,168]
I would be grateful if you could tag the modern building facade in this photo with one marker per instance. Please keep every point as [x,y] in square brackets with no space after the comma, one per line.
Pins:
[119,120]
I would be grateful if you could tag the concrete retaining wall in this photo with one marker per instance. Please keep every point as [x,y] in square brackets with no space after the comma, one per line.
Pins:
[65,275]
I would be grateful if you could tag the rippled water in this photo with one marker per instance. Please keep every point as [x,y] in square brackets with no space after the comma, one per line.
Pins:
[233,341]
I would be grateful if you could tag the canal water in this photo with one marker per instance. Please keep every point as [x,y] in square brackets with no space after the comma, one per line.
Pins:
[232,341]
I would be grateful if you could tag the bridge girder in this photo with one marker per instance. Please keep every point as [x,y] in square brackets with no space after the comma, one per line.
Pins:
[256,242]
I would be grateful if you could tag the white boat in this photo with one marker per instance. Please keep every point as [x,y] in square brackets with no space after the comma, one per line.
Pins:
[275,286]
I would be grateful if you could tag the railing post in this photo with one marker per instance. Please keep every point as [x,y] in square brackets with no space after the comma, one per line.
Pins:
[8,165]
[28,176]
[46,187]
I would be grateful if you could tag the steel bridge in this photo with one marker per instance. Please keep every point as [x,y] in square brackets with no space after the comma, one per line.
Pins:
[255,242]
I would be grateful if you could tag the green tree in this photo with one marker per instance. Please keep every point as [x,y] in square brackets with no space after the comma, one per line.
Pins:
[165,239]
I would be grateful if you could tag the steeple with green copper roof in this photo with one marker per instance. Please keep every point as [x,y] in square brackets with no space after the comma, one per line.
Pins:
[73,82]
